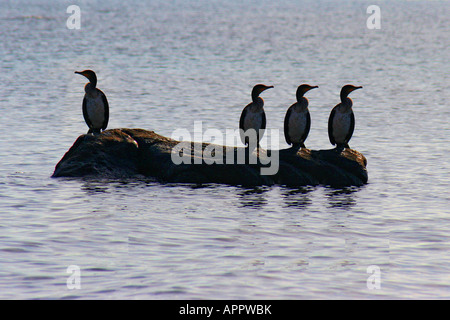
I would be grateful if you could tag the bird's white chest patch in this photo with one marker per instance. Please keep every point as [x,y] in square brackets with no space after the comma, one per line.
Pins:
[297,125]
[341,126]
[96,110]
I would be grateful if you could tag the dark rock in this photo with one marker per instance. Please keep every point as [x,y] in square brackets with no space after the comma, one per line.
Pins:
[129,153]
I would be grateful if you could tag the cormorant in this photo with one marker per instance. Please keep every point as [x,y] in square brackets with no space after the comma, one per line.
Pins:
[342,120]
[297,121]
[95,104]
[253,116]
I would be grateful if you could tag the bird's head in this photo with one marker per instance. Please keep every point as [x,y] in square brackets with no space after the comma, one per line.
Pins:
[258,89]
[302,89]
[345,91]
[90,75]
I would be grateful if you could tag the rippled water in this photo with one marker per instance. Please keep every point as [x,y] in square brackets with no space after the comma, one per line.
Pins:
[164,65]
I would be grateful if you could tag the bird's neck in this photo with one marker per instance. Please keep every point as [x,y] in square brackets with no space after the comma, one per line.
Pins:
[255,95]
[89,87]
[346,102]
[258,103]
[302,103]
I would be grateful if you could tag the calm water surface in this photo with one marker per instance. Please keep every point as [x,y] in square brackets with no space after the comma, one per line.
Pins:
[164,65]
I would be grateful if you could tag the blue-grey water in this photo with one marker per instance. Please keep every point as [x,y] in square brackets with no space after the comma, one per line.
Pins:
[166,64]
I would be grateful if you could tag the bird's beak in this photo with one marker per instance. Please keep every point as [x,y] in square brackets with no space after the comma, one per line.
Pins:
[264,89]
[83,74]
[313,87]
[355,88]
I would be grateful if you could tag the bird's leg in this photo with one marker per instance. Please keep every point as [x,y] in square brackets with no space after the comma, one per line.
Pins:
[247,154]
